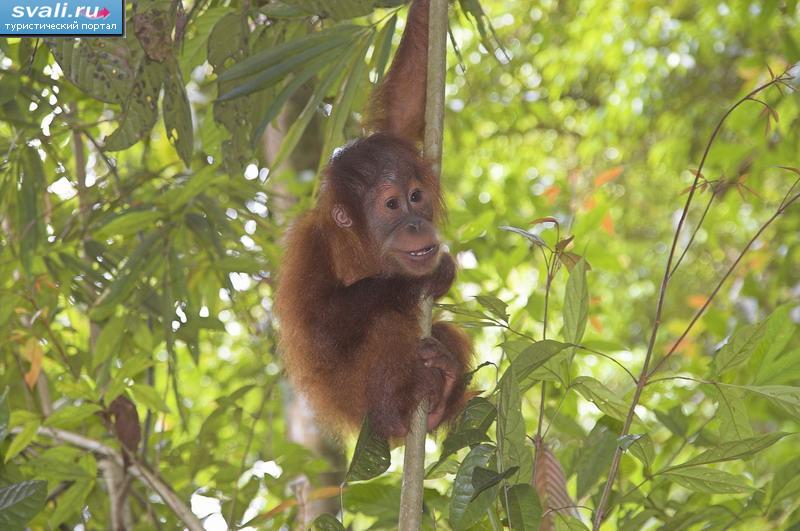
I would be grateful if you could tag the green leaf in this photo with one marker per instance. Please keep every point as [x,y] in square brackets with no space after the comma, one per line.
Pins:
[195,47]
[140,108]
[22,439]
[29,211]
[277,72]
[643,450]
[278,9]
[148,397]
[783,396]
[522,507]
[708,480]
[483,478]
[301,122]
[4,414]
[464,511]
[344,100]
[728,451]
[594,461]
[297,81]
[59,468]
[477,225]
[495,306]
[371,456]
[606,401]
[734,421]
[531,237]
[104,69]
[383,48]
[128,223]
[511,434]
[326,522]
[738,349]
[70,416]
[178,115]
[127,278]
[109,341]
[335,9]
[576,304]
[20,502]
[322,40]
[769,362]
[473,423]
[533,357]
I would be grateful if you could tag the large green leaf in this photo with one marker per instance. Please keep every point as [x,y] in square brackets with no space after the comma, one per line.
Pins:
[20,502]
[511,435]
[29,210]
[702,479]
[472,425]
[140,109]
[103,68]
[601,396]
[738,349]
[371,456]
[70,416]
[734,421]
[275,73]
[522,507]
[326,522]
[296,130]
[320,41]
[23,438]
[335,9]
[534,357]
[178,114]
[128,223]
[594,460]
[464,511]
[730,450]
[4,415]
[109,341]
[576,304]
[784,396]
[298,80]
[342,106]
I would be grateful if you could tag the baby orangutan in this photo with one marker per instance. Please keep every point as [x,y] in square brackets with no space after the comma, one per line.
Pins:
[358,264]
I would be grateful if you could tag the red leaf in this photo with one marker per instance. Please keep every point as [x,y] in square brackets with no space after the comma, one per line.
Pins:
[607,176]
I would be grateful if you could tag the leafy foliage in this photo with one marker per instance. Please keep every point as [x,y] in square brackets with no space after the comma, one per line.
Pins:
[146,182]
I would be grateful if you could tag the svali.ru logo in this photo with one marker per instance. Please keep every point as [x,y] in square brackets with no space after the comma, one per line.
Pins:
[59,11]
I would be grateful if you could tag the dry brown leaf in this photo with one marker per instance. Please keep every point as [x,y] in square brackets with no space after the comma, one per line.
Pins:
[551,485]
[34,354]
[126,423]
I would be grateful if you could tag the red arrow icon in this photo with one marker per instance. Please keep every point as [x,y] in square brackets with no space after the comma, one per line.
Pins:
[103,13]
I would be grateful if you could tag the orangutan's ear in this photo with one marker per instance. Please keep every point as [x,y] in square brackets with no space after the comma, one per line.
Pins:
[353,257]
[340,216]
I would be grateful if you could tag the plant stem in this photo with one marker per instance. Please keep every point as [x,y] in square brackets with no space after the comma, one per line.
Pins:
[668,271]
[411,494]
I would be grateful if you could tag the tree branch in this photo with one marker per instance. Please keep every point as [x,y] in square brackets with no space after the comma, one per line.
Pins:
[411,494]
[138,469]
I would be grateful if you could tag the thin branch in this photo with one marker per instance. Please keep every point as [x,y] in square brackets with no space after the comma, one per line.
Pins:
[264,397]
[608,357]
[721,282]
[411,494]
[694,234]
[668,270]
[138,469]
